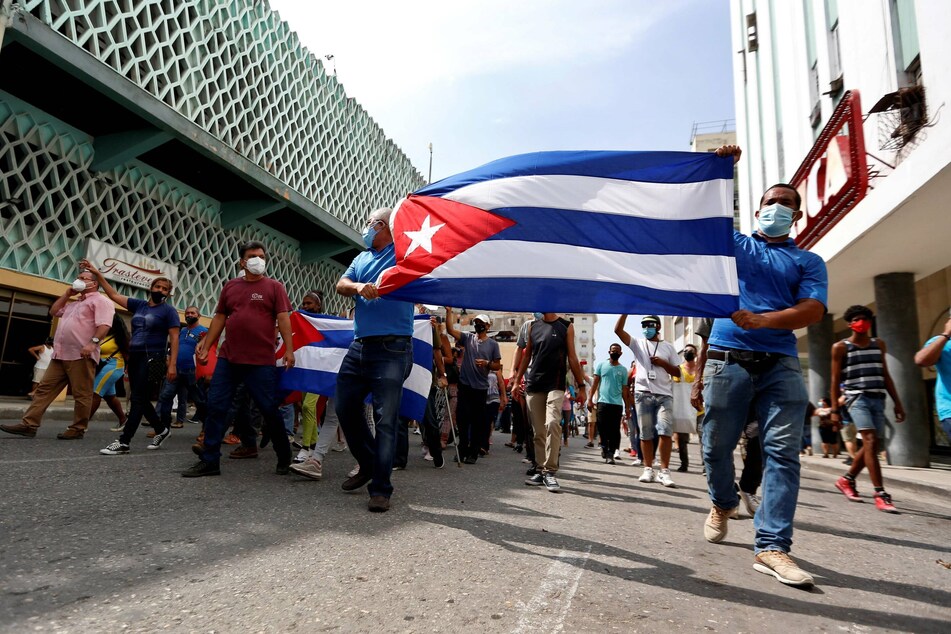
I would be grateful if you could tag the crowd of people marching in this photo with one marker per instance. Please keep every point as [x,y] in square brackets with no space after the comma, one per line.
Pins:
[742,386]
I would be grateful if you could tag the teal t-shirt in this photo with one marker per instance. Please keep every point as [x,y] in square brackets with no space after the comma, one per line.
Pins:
[613,378]
[942,388]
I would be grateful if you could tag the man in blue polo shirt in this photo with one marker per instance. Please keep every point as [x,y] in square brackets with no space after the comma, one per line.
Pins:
[378,361]
[751,358]
[184,385]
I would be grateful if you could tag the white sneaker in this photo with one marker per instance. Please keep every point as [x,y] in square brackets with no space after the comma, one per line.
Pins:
[647,476]
[664,478]
[637,462]
[617,454]
[340,446]
[751,501]
[656,462]
[302,456]
[354,471]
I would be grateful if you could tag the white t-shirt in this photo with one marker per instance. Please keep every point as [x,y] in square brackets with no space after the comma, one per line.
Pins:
[643,351]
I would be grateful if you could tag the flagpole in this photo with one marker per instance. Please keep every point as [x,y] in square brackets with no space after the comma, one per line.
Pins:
[430,163]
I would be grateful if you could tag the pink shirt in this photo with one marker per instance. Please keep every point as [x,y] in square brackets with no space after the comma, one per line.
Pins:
[77,324]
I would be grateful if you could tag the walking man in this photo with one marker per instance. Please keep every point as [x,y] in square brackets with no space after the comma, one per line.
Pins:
[248,307]
[82,325]
[608,393]
[937,353]
[377,363]
[550,351]
[184,386]
[482,356]
[657,361]
[859,363]
[752,360]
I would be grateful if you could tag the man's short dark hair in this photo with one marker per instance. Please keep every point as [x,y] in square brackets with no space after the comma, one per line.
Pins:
[690,345]
[857,311]
[250,245]
[795,191]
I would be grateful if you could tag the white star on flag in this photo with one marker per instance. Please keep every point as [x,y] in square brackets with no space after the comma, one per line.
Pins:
[423,237]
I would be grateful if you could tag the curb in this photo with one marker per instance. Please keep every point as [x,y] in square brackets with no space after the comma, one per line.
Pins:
[837,468]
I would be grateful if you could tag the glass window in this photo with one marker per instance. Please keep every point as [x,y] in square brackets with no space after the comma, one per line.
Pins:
[906,33]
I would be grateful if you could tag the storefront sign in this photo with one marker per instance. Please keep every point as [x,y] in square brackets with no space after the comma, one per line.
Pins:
[128,267]
[833,178]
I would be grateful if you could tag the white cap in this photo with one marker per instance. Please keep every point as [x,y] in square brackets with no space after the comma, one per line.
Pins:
[485,319]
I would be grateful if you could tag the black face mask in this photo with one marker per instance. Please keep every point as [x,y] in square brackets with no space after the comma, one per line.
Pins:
[158,297]
[480,328]
[615,356]
[191,321]
[690,356]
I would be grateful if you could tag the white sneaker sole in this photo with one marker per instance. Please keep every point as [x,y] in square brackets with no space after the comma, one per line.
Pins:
[789,582]
[307,474]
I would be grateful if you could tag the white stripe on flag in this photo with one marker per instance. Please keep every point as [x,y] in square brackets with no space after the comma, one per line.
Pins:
[682,273]
[657,201]
[323,359]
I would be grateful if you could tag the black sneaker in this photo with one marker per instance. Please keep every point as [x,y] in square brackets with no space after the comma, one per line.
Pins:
[438,461]
[469,460]
[536,480]
[115,448]
[202,468]
[532,471]
[518,449]
[282,469]
[550,482]
[158,439]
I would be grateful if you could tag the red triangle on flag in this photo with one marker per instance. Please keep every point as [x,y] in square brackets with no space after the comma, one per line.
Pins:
[303,333]
[428,231]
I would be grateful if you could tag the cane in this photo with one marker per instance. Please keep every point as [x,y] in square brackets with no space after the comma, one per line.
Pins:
[452,425]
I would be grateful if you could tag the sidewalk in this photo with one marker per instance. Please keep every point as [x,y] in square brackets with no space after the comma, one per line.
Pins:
[936,480]
[13,408]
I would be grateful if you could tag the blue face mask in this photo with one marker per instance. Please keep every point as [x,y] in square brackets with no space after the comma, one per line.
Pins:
[369,235]
[650,333]
[775,220]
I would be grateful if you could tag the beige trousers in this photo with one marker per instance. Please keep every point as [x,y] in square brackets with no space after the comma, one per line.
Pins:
[544,408]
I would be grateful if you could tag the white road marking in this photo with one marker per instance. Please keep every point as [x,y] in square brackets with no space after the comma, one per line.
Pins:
[547,610]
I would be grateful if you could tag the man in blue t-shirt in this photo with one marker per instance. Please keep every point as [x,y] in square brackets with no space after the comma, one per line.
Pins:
[184,385]
[937,353]
[610,378]
[751,359]
[378,361]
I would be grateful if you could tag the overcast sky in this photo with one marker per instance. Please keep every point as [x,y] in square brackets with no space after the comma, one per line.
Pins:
[488,79]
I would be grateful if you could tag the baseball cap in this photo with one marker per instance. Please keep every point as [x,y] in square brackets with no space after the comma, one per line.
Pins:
[653,318]
[485,319]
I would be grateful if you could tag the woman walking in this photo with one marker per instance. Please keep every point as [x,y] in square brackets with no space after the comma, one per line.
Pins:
[155,326]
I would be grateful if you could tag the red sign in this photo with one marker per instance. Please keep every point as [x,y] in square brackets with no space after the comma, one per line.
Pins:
[833,178]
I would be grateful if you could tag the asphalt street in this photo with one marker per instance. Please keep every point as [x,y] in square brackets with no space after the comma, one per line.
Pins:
[106,544]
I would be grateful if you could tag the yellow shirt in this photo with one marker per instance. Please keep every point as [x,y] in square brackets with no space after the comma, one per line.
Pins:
[109,348]
[686,377]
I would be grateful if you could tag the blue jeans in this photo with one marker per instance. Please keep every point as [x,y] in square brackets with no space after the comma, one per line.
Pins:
[780,398]
[375,368]
[183,387]
[261,383]
[868,412]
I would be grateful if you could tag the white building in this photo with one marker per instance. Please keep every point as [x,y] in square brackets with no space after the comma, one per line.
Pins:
[844,100]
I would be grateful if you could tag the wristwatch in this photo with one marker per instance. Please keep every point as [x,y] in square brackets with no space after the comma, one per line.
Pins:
[95,340]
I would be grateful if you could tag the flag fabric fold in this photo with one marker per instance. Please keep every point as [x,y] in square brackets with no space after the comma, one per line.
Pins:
[608,232]
[320,343]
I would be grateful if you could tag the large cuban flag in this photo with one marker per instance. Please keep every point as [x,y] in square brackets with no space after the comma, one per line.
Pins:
[320,343]
[608,232]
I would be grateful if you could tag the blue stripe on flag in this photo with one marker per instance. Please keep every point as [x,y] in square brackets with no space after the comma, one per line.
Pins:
[649,167]
[565,296]
[613,232]
[413,405]
[308,380]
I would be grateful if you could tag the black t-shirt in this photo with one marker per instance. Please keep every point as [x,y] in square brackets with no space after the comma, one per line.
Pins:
[549,355]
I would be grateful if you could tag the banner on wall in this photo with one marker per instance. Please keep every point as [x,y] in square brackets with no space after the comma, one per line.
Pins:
[128,267]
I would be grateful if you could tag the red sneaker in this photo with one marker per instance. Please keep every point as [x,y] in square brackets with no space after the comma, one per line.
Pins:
[848,489]
[883,502]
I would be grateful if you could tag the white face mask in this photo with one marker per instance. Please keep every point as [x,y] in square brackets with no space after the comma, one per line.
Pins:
[79,285]
[255,265]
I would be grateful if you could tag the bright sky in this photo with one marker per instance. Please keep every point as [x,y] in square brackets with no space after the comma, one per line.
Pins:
[488,79]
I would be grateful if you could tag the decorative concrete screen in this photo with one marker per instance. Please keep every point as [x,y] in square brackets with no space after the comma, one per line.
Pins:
[236,71]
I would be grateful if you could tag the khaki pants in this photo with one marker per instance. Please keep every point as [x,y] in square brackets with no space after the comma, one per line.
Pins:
[79,375]
[544,408]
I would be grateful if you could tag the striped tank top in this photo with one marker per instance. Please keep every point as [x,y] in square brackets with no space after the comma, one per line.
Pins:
[863,371]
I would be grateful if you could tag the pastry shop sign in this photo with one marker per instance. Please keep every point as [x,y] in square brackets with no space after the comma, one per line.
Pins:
[128,267]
